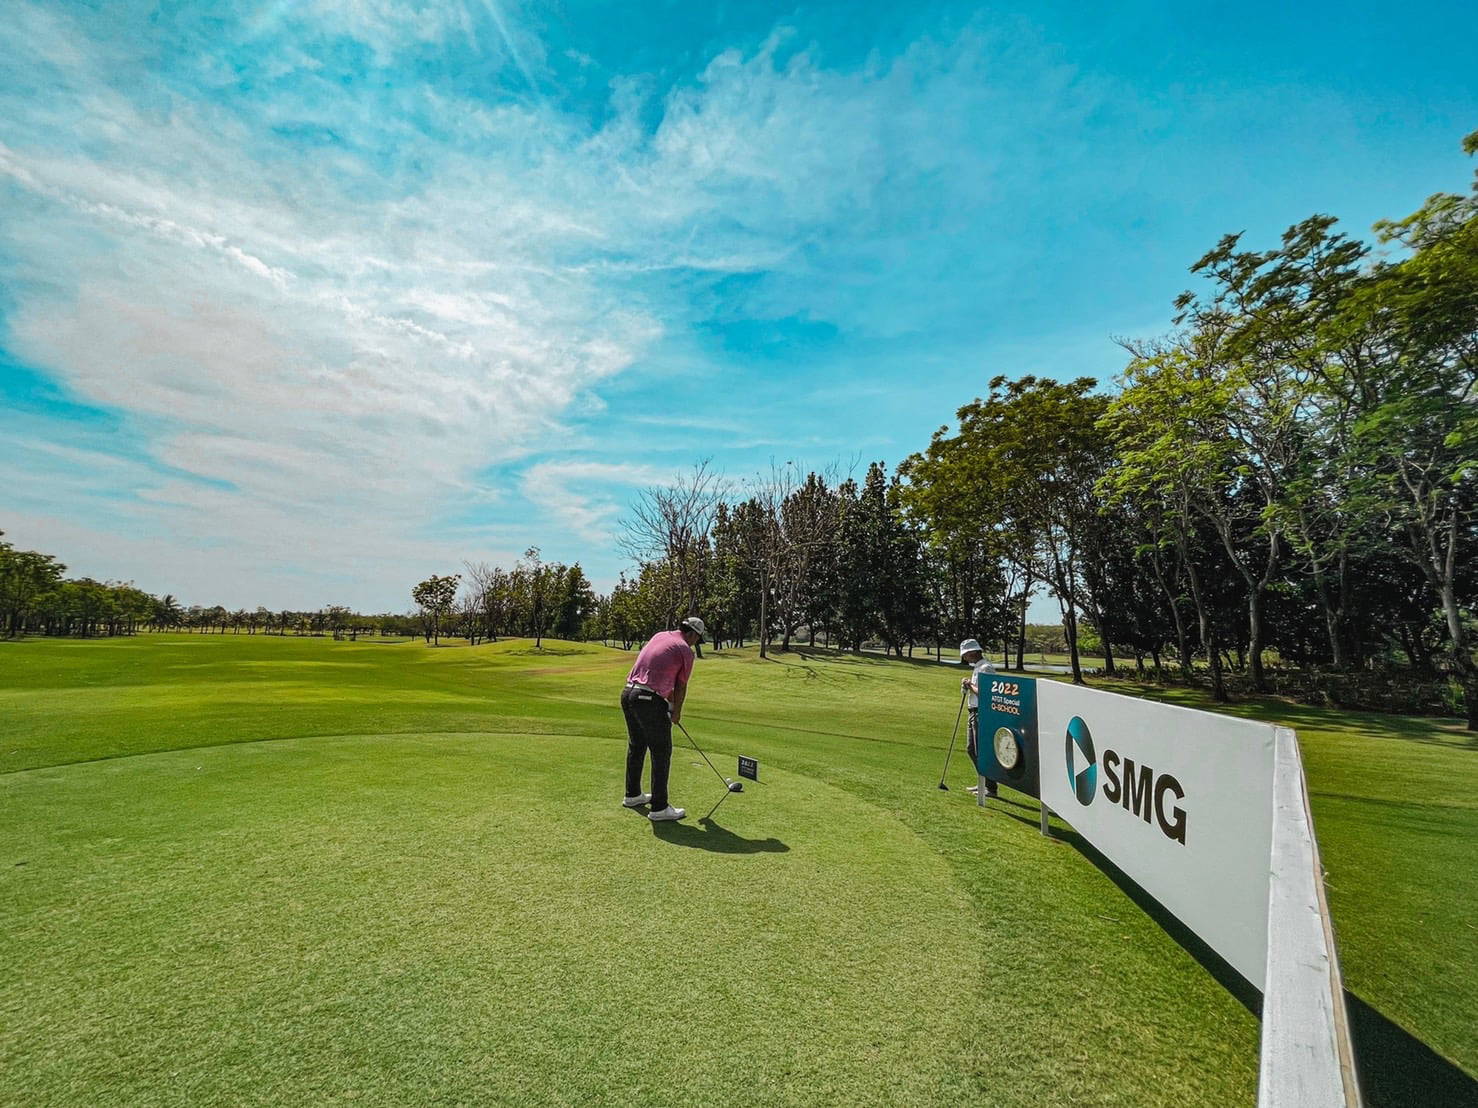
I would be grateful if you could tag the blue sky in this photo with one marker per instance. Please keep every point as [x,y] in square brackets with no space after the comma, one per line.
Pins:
[303,300]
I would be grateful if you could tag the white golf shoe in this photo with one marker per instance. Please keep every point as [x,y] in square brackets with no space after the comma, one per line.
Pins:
[637,801]
[667,813]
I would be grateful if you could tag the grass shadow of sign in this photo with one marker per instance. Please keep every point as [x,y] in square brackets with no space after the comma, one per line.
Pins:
[1248,995]
[850,657]
[1397,1068]
[708,835]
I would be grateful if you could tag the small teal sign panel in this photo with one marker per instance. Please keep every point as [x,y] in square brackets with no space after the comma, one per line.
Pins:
[1006,739]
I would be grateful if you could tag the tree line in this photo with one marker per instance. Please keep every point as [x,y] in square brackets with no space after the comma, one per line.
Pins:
[36,597]
[533,598]
[1291,473]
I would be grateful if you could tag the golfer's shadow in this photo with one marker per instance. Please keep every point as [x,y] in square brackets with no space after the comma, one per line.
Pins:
[708,835]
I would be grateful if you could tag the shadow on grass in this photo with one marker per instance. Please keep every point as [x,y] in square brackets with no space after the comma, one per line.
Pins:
[1212,962]
[867,658]
[1397,1068]
[715,837]
[1002,799]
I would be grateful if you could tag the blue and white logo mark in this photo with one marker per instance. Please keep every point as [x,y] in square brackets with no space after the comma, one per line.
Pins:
[1082,762]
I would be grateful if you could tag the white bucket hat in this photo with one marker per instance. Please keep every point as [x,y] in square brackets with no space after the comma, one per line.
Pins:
[694,624]
[969,645]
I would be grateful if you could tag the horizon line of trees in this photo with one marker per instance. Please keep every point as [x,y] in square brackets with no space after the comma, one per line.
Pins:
[36,597]
[534,598]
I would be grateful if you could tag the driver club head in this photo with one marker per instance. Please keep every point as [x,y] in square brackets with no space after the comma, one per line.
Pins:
[736,787]
[943,786]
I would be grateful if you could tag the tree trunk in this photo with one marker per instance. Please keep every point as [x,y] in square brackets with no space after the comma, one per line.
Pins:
[1062,581]
[1026,594]
[764,615]
[1331,616]
[1462,662]
[1070,625]
[1095,613]
[1182,642]
[1255,589]
[1254,644]
[1218,682]
[1418,652]
[1208,632]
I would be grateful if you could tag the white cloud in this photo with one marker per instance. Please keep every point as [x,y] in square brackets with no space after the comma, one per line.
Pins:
[344,362]
[330,343]
[389,27]
[582,496]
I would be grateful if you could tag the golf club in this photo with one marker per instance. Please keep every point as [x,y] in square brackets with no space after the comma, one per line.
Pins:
[952,735]
[729,786]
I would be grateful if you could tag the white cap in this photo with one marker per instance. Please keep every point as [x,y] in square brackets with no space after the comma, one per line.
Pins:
[969,645]
[694,624]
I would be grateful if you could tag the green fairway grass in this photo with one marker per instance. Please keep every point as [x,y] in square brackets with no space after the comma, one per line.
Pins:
[241,869]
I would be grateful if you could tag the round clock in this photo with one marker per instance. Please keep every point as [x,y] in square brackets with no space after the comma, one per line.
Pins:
[1008,749]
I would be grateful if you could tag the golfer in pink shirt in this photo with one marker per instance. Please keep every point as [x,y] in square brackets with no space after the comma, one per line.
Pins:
[652,702]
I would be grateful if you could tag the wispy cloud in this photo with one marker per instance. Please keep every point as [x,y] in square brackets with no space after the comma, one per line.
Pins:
[332,293]
[586,497]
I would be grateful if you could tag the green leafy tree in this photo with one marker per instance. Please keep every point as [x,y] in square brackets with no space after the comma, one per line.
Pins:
[1033,443]
[859,544]
[435,597]
[1168,464]
[1416,394]
[982,572]
[25,577]
[904,595]
[574,602]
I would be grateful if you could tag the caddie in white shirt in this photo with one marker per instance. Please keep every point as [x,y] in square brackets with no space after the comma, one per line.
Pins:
[973,656]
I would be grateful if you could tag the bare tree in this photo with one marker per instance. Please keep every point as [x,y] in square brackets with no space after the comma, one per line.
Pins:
[808,517]
[671,523]
[490,588]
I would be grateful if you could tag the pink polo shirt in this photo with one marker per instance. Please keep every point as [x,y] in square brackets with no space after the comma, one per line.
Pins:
[665,660]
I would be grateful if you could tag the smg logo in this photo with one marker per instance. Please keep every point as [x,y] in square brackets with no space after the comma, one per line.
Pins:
[1139,790]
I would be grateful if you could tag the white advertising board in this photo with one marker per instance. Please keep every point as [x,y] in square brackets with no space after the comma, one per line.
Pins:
[1180,800]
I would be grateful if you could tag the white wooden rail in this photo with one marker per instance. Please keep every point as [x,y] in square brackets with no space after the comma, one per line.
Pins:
[1307,1057]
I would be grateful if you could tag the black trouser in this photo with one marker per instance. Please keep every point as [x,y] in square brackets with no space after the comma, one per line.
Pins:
[649,727]
[972,747]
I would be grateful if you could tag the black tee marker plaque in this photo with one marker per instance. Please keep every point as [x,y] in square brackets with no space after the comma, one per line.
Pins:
[749,767]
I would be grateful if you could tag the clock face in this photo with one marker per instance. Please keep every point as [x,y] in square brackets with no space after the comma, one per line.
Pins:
[1008,750]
